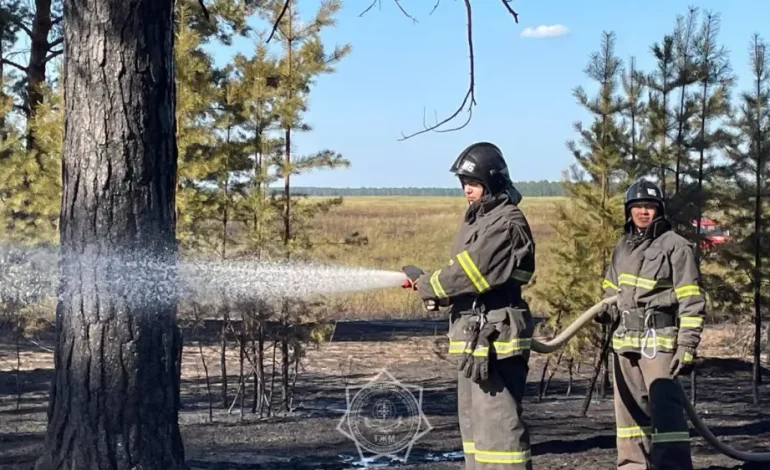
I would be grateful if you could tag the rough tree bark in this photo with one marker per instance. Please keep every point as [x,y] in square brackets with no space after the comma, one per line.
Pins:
[115,393]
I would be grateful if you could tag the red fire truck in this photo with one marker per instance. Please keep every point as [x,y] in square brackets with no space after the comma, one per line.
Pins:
[714,234]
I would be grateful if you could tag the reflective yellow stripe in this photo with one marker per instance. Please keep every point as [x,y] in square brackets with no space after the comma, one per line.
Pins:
[690,322]
[436,285]
[491,456]
[634,342]
[516,344]
[636,281]
[469,448]
[501,347]
[521,275]
[687,357]
[633,431]
[472,271]
[688,290]
[609,284]
[664,437]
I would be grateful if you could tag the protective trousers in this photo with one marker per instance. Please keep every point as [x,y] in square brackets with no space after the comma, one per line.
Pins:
[493,433]
[652,431]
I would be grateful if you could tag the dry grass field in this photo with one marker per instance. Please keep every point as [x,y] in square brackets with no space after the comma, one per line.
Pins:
[406,230]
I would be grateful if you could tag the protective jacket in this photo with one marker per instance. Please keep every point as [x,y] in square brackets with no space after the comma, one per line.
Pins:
[658,283]
[492,256]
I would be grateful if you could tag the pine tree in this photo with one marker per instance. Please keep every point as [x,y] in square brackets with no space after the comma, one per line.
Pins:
[745,276]
[595,216]
[116,373]
[660,85]
[685,75]
[229,156]
[257,93]
[714,82]
[31,179]
[197,204]
[196,139]
[10,145]
[41,27]
[256,80]
[601,155]
[303,60]
[635,142]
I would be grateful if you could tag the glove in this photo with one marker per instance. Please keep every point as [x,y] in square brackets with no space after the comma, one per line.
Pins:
[683,361]
[412,274]
[480,371]
[466,361]
[607,315]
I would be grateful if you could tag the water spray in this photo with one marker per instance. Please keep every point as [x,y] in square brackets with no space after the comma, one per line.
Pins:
[142,281]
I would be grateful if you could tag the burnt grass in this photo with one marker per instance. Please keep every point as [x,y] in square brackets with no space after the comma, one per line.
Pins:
[413,353]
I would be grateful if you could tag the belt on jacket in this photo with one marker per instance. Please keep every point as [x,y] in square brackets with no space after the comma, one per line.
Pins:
[492,300]
[637,319]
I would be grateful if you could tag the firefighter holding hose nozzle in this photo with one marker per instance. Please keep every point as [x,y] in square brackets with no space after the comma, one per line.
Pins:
[659,320]
[491,326]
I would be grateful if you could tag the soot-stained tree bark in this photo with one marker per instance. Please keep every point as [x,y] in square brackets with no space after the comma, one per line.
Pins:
[115,393]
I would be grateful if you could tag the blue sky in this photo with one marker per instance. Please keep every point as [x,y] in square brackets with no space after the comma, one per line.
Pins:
[523,84]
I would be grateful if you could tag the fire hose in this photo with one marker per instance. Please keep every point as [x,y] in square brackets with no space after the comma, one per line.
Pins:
[562,338]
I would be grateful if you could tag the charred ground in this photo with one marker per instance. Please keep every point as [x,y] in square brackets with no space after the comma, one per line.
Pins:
[414,353]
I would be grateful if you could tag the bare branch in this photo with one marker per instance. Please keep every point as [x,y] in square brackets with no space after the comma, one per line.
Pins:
[508,7]
[469,95]
[205,10]
[278,20]
[54,54]
[37,343]
[438,2]
[57,20]
[371,5]
[14,64]
[55,43]
[20,24]
[398,2]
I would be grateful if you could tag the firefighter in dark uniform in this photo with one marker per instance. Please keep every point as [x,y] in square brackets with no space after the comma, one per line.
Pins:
[659,316]
[491,326]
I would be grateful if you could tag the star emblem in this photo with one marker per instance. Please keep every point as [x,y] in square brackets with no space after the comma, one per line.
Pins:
[384,417]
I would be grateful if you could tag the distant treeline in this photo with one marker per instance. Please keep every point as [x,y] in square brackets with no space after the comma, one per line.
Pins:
[527,188]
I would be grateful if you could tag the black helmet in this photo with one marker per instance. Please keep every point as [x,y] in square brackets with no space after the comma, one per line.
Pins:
[643,190]
[483,162]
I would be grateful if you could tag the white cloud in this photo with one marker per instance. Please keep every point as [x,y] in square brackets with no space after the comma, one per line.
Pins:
[545,31]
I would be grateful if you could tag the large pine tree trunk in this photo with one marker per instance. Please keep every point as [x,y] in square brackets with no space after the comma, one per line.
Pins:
[115,393]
